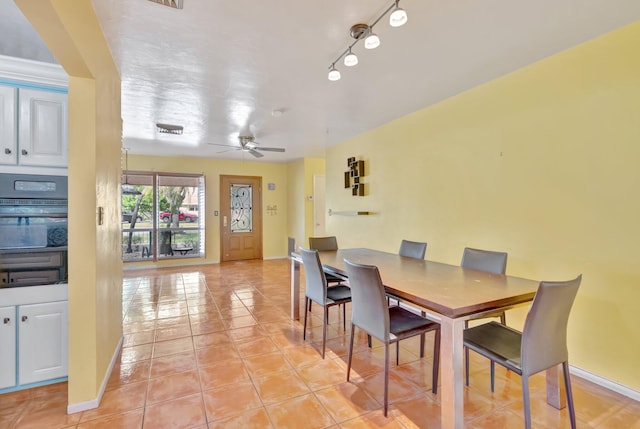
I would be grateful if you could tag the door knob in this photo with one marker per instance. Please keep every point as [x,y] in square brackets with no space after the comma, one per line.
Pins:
[25,318]
[7,151]
[7,320]
[24,152]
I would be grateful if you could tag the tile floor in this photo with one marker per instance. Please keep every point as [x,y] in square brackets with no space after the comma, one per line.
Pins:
[213,347]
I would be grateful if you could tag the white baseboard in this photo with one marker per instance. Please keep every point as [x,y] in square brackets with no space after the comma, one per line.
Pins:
[95,403]
[604,382]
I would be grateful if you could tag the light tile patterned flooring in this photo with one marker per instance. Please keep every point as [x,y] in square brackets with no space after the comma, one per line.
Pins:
[213,347]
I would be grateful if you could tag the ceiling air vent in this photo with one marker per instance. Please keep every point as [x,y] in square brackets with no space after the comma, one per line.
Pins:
[169,129]
[171,3]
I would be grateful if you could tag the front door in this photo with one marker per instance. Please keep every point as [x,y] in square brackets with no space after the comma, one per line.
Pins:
[241,218]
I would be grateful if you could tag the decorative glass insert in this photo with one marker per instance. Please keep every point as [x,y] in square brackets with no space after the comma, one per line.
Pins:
[241,210]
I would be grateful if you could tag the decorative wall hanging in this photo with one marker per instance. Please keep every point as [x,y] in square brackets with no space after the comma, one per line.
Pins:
[352,177]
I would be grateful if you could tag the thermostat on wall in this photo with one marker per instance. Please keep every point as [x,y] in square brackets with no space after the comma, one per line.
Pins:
[271,186]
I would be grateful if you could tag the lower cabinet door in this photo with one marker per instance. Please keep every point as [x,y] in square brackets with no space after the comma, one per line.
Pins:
[7,347]
[43,339]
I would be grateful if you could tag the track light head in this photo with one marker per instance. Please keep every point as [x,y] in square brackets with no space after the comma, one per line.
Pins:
[334,74]
[398,17]
[372,41]
[351,59]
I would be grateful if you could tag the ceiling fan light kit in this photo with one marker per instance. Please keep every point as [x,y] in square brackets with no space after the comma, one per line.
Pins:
[397,18]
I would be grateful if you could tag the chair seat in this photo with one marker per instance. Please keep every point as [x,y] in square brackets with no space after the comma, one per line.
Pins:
[338,293]
[497,342]
[332,278]
[404,323]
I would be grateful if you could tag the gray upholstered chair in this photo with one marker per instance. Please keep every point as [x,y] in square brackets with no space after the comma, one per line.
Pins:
[316,290]
[492,262]
[322,244]
[409,249]
[413,249]
[369,312]
[541,345]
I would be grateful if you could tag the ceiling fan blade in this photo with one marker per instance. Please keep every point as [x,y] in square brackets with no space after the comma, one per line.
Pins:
[229,150]
[255,153]
[270,149]
[225,145]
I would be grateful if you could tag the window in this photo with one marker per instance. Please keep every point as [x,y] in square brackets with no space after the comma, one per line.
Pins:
[162,216]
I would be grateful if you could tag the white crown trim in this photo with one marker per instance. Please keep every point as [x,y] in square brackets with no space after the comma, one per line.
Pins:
[33,71]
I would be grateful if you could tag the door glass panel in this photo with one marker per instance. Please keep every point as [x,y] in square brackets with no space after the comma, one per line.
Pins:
[241,210]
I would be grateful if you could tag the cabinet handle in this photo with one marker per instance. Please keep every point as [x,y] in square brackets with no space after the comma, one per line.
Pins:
[7,320]
[7,151]
[25,318]
[24,152]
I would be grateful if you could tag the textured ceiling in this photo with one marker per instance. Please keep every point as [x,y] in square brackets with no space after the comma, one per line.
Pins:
[220,68]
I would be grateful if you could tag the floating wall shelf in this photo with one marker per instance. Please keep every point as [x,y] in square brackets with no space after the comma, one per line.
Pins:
[348,213]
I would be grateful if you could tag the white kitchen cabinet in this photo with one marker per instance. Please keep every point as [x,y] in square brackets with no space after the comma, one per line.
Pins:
[42,124]
[7,346]
[43,338]
[8,135]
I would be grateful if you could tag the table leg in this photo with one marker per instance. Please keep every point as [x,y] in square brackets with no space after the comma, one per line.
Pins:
[451,347]
[556,394]
[295,290]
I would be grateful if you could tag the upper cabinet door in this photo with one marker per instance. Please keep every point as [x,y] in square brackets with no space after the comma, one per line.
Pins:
[43,128]
[8,142]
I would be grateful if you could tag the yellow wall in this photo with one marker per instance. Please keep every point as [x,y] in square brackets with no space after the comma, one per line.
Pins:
[301,208]
[542,163]
[72,32]
[274,225]
[296,208]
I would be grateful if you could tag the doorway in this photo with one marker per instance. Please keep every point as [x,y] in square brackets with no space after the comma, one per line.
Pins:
[240,218]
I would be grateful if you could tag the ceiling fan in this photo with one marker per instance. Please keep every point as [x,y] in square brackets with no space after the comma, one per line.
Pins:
[249,144]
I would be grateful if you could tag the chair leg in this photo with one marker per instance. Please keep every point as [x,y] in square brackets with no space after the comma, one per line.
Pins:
[567,387]
[344,317]
[369,340]
[503,318]
[493,375]
[397,353]
[422,338]
[307,305]
[353,328]
[324,328]
[436,362]
[525,399]
[386,378]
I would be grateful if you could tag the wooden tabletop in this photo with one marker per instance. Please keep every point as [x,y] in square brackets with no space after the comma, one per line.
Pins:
[449,290]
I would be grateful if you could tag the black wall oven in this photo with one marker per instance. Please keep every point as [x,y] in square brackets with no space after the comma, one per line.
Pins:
[33,230]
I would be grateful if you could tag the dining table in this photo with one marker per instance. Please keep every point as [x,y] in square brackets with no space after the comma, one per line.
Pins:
[449,295]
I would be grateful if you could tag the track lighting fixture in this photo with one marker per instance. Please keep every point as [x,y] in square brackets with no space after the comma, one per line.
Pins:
[371,40]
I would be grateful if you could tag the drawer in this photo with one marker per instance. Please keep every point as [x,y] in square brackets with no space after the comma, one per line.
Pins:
[32,278]
[13,261]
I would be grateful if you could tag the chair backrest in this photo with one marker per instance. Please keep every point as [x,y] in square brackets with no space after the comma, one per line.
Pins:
[413,249]
[323,243]
[484,260]
[544,337]
[316,281]
[369,310]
